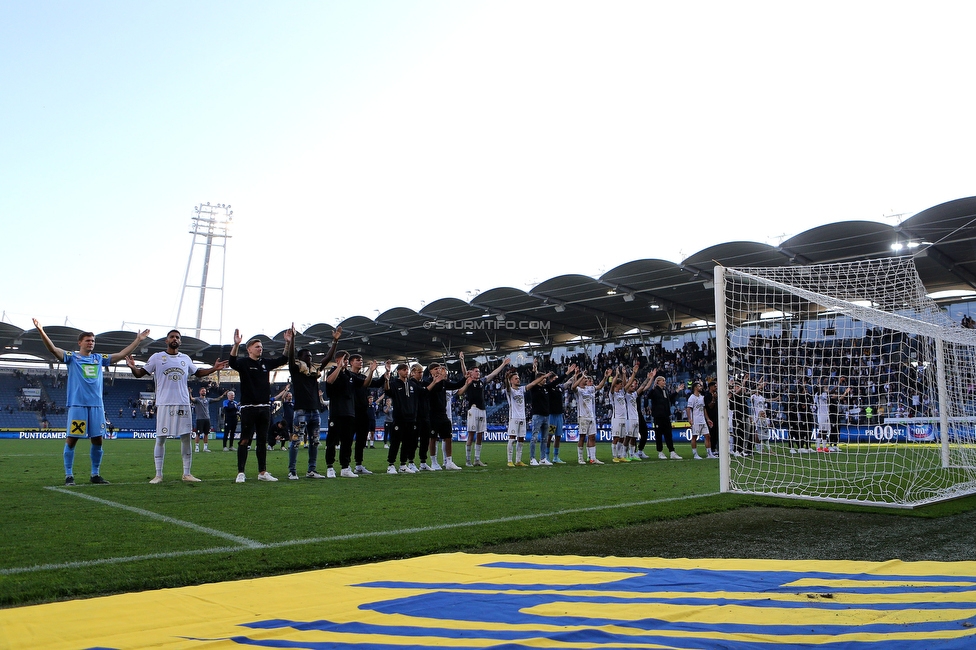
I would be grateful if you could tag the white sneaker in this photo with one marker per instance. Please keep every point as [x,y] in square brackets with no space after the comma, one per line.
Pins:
[362,470]
[158,479]
[675,456]
[348,473]
[545,462]
[737,454]
[468,463]
[240,478]
[313,474]
[793,451]
[190,478]
[450,465]
[806,450]
[292,476]
[267,477]
[533,462]
[330,473]
[392,470]
[206,449]
[435,467]
[413,467]
[424,467]
[661,455]
[197,449]
[582,462]
[696,457]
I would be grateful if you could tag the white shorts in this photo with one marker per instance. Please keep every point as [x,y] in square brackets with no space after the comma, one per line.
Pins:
[477,420]
[823,424]
[631,429]
[173,421]
[618,428]
[586,428]
[516,429]
[698,430]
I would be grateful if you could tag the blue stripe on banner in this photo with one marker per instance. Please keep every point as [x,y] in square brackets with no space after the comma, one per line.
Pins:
[492,601]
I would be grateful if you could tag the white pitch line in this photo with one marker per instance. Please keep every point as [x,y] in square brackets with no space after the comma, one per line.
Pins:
[111,560]
[483,522]
[243,541]
[315,540]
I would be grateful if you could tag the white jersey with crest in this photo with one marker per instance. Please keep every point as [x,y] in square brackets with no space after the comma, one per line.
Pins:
[586,402]
[631,407]
[697,405]
[516,403]
[618,400]
[171,372]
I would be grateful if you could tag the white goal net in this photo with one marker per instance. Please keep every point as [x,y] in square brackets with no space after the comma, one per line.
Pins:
[844,382]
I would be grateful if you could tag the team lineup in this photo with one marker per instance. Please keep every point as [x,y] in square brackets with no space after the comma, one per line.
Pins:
[420,409]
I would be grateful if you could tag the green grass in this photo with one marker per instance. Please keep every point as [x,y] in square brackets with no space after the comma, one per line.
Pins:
[870,473]
[135,536]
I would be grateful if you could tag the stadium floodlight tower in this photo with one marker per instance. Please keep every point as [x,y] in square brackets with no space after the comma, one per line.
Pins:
[210,226]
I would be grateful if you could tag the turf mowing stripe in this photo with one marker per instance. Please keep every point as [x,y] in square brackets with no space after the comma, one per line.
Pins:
[243,541]
[313,540]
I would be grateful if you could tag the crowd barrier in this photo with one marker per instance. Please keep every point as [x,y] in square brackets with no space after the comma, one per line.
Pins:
[879,433]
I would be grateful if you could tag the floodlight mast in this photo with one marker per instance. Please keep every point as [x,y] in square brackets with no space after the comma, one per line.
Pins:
[210,227]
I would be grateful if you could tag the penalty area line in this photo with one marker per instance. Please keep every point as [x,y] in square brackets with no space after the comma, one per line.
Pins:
[313,540]
[243,541]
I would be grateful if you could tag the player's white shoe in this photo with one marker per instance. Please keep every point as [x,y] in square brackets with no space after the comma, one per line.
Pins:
[240,478]
[348,473]
[450,465]
[159,479]
[266,476]
[330,473]
[392,470]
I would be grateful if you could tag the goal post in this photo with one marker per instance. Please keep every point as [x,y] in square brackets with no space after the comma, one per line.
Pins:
[843,382]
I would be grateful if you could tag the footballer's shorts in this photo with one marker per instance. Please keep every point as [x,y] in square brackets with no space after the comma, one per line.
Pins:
[86,422]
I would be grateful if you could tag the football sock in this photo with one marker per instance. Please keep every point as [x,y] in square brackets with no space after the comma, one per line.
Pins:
[69,460]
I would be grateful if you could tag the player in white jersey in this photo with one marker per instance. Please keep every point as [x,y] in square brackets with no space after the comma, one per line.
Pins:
[174,418]
[630,440]
[826,427]
[821,402]
[586,409]
[516,413]
[699,420]
[618,417]
[760,419]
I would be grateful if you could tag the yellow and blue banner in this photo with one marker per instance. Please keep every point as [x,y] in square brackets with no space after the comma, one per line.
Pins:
[507,601]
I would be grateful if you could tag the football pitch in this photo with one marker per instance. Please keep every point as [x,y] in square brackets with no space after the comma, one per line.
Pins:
[68,542]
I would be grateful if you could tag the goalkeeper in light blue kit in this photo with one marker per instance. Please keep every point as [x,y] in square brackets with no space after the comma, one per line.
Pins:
[86,411]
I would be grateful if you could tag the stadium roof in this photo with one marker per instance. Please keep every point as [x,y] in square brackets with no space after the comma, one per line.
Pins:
[649,296]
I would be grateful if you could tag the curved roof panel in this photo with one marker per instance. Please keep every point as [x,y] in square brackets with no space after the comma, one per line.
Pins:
[649,295]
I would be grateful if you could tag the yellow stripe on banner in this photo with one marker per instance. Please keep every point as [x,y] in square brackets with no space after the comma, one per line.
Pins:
[568,602]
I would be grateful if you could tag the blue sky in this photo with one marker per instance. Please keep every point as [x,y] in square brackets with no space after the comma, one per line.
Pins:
[382,154]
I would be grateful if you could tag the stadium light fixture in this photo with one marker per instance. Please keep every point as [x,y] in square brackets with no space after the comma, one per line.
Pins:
[628,297]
